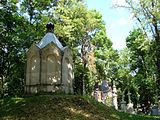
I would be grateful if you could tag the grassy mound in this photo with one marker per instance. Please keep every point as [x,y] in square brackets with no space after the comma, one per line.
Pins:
[60,107]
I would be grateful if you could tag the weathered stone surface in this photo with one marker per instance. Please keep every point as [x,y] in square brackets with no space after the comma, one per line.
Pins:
[49,67]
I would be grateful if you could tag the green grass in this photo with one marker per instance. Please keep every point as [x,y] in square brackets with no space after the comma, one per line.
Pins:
[61,107]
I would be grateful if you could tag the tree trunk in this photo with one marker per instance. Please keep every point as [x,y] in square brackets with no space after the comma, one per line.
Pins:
[2,74]
[83,79]
[2,86]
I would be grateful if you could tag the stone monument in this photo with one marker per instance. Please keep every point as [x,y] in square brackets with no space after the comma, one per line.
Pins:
[104,89]
[114,97]
[130,108]
[123,105]
[49,66]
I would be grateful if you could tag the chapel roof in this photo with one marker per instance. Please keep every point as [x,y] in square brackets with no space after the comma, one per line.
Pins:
[49,38]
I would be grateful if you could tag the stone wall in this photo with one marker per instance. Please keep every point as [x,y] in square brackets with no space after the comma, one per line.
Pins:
[49,66]
[33,69]
[49,69]
[67,71]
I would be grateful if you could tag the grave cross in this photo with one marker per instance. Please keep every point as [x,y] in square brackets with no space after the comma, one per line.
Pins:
[129,97]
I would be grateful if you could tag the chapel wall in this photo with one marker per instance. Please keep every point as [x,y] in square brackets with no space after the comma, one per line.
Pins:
[67,71]
[33,70]
[51,65]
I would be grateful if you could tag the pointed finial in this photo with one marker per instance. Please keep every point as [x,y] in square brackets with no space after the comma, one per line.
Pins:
[50,27]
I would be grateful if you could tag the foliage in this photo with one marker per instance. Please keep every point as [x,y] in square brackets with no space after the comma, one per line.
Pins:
[11,49]
[137,71]
[146,13]
[124,71]
[144,45]
[106,56]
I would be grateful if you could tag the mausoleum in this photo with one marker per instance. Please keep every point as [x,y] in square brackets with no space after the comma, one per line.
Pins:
[49,66]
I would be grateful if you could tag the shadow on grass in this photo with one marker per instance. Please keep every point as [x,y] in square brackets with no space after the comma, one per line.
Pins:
[59,107]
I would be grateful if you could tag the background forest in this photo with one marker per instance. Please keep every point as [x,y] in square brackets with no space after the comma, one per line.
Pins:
[135,69]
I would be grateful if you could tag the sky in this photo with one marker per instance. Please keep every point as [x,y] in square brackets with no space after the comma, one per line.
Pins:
[119,22]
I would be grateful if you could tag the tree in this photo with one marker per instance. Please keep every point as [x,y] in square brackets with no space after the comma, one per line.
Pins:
[11,50]
[146,13]
[106,57]
[124,70]
[142,68]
